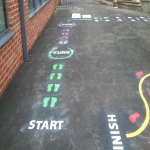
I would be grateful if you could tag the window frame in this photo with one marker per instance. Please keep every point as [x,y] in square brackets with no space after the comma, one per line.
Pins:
[6,34]
[37,8]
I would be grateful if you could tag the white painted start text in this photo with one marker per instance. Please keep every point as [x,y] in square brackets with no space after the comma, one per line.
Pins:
[33,124]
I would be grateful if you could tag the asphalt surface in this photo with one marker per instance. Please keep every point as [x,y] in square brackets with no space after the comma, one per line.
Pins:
[86,94]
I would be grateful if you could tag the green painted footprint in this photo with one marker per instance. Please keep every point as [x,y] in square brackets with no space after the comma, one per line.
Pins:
[45,101]
[55,66]
[52,76]
[59,76]
[53,101]
[61,66]
[49,87]
[56,87]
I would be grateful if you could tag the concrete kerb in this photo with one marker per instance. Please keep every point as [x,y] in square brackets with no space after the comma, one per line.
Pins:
[106,2]
[125,5]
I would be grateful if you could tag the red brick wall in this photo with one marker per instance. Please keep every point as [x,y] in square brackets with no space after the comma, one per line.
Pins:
[11,54]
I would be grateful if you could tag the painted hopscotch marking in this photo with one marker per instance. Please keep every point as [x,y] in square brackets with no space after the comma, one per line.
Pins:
[56,54]
[109,19]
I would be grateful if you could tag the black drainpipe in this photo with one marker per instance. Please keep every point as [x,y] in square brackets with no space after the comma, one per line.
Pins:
[23,30]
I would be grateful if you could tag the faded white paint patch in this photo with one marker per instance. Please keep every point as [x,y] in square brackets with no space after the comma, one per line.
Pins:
[76,15]
[86,16]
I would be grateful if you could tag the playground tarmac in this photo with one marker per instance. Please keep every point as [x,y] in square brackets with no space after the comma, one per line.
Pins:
[86,86]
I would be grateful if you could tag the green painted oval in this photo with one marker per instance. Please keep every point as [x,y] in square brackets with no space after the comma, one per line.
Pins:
[56,58]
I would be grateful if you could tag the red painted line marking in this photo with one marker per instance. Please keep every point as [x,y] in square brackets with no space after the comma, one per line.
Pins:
[149,94]
[134,117]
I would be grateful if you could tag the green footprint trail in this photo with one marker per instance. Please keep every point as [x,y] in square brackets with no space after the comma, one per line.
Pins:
[56,87]
[50,86]
[52,75]
[47,99]
[53,102]
[59,76]
[56,65]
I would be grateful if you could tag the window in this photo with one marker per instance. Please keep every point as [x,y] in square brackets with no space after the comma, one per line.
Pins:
[5,34]
[35,6]
[31,5]
[3,23]
[38,2]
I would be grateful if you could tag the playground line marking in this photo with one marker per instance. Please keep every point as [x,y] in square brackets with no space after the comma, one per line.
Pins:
[147,117]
